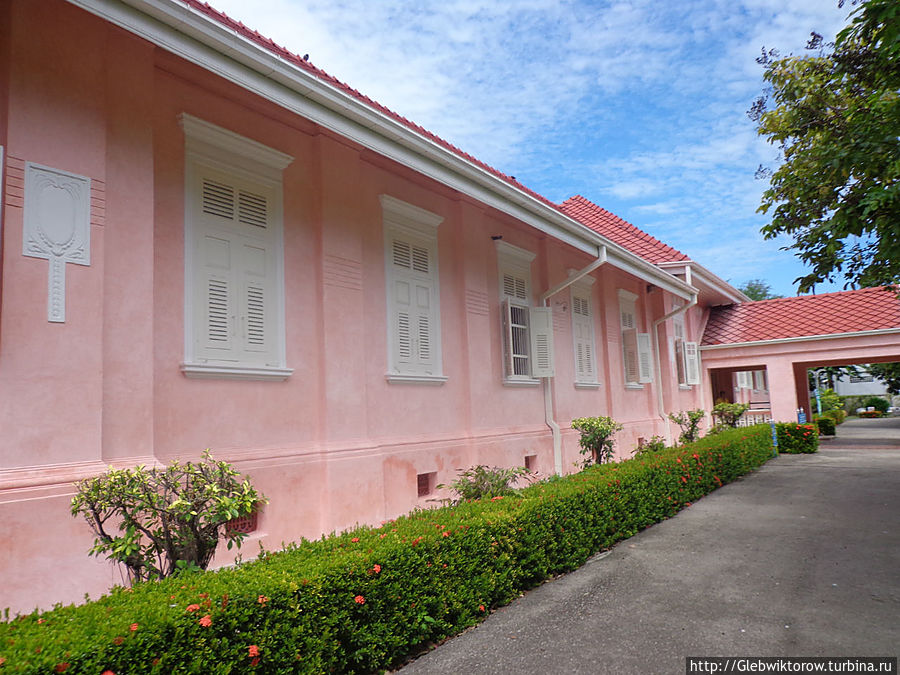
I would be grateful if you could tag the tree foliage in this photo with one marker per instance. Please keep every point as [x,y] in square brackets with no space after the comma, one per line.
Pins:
[157,522]
[596,441]
[835,114]
[758,289]
[889,373]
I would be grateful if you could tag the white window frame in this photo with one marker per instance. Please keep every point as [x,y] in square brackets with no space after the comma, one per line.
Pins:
[745,379]
[210,148]
[639,344]
[515,263]
[686,354]
[417,228]
[584,346]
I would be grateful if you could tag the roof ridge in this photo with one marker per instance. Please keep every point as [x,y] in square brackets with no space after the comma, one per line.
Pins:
[270,45]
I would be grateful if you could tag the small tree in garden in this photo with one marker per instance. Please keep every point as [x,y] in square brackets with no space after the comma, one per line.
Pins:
[483,481]
[689,421]
[728,414]
[157,522]
[596,438]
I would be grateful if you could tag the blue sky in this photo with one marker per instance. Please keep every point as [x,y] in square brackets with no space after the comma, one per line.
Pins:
[638,105]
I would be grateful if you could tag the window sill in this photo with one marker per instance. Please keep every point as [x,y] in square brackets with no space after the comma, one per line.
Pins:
[633,385]
[684,387]
[588,385]
[524,382]
[434,380]
[206,371]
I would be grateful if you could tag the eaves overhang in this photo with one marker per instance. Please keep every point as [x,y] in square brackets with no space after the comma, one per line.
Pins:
[197,38]
[709,284]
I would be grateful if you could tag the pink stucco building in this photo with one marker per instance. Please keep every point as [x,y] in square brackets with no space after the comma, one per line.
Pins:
[209,243]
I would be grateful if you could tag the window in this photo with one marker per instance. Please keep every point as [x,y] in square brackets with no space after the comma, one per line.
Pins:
[745,379]
[425,483]
[636,347]
[583,335]
[413,294]
[527,331]
[687,354]
[760,380]
[234,279]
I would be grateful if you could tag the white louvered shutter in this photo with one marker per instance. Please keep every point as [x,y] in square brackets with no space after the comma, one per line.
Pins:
[744,379]
[583,334]
[541,332]
[645,358]
[692,363]
[414,319]
[234,292]
[630,355]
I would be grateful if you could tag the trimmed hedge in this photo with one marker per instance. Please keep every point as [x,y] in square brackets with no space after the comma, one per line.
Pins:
[369,598]
[826,425]
[796,438]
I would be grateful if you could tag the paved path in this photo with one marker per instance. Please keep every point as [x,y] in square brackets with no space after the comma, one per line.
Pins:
[801,558]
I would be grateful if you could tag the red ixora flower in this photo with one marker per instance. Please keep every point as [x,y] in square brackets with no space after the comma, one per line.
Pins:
[377,569]
[192,608]
[359,600]
[254,661]
[118,639]
[206,621]
[262,599]
[355,539]
[133,627]
[107,672]
[61,667]
[480,608]
[253,650]
[497,498]
[445,534]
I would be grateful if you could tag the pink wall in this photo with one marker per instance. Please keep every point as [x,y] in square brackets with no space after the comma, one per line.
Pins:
[334,444]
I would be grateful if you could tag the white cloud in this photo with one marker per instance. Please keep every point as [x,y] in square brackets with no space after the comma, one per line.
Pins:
[637,104]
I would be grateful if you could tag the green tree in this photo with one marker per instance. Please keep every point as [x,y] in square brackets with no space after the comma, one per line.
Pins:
[889,373]
[758,289]
[835,117]
[159,521]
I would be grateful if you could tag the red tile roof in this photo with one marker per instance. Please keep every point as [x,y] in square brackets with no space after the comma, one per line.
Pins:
[620,231]
[803,316]
[303,64]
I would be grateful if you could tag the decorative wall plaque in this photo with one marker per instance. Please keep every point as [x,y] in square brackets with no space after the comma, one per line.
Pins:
[57,227]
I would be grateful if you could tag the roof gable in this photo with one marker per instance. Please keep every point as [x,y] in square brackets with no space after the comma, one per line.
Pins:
[620,231]
[866,309]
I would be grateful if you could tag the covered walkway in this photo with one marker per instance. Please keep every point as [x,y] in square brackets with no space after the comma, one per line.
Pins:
[787,336]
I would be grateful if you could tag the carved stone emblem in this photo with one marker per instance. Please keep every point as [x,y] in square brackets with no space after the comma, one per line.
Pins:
[57,227]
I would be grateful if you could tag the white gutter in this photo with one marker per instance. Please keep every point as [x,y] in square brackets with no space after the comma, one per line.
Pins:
[548,381]
[197,38]
[656,358]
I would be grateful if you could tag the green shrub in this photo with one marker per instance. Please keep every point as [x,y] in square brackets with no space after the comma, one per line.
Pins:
[482,481]
[168,519]
[596,439]
[830,400]
[689,421]
[796,438]
[880,404]
[871,414]
[651,447]
[366,600]
[837,415]
[825,425]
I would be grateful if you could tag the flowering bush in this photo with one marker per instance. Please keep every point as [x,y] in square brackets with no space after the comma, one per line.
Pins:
[367,599]
[482,481]
[871,414]
[796,438]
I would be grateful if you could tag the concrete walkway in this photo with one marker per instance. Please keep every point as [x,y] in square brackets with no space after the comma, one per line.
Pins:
[801,558]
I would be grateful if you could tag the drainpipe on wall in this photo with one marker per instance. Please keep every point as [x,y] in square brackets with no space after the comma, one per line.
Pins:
[656,350]
[548,381]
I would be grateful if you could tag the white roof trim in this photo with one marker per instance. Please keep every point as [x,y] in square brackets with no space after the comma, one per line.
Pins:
[804,338]
[199,39]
